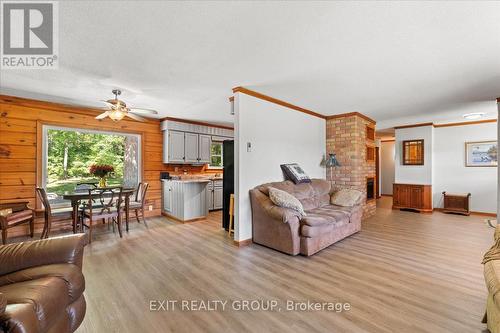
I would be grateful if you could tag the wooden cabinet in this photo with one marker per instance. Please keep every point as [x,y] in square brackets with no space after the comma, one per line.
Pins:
[185,147]
[456,203]
[412,196]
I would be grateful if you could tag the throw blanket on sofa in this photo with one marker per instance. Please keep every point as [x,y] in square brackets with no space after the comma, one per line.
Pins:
[494,252]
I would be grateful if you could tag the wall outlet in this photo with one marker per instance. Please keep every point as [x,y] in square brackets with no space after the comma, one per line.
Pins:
[249,147]
[150,207]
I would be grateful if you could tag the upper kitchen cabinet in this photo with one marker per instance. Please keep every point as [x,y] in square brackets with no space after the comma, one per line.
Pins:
[192,148]
[190,143]
[204,143]
[174,140]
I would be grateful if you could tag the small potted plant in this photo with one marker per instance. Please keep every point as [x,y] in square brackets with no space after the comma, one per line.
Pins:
[102,171]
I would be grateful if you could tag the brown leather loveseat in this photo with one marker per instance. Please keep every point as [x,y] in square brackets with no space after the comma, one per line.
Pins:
[283,229]
[41,285]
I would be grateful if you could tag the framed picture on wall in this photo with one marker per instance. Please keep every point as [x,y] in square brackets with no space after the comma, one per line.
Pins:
[481,154]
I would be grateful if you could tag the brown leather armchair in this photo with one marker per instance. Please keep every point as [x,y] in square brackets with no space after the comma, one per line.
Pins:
[41,285]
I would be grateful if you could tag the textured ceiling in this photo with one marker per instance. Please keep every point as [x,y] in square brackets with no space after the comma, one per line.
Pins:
[393,61]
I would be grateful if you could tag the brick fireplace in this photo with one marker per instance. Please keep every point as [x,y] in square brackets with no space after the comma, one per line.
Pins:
[352,137]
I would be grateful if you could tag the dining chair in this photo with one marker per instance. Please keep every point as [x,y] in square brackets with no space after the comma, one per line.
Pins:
[137,205]
[13,214]
[109,206]
[53,214]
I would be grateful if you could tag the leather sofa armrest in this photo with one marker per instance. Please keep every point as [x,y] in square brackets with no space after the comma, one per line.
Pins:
[276,212]
[59,250]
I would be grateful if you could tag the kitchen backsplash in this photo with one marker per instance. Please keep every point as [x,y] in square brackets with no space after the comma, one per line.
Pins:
[179,169]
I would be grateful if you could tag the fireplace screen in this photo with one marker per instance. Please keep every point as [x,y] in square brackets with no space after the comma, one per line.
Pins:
[370,188]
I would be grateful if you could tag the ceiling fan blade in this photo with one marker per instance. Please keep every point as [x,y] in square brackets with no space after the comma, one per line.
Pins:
[102,115]
[135,117]
[144,111]
[108,104]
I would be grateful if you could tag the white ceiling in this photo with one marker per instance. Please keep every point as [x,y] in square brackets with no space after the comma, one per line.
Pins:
[396,62]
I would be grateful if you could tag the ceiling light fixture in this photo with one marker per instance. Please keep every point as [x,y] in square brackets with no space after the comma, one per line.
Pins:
[474,115]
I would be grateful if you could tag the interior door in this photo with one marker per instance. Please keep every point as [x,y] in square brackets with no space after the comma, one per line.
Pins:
[191,148]
[176,147]
[205,142]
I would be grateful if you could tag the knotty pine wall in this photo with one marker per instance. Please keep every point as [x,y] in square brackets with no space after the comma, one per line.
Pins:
[21,123]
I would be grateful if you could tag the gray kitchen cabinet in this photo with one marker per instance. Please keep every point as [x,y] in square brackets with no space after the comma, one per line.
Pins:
[176,147]
[214,195]
[185,200]
[191,147]
[167,197]
[205,141]
[217,197]
[185,147]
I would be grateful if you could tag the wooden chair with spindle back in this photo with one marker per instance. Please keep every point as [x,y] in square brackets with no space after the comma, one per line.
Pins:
[139,202]
[110,206]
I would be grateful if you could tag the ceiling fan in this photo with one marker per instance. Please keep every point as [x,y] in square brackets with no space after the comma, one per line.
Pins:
[116,109]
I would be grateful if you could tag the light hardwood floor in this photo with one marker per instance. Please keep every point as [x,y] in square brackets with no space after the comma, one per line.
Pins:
[404,272]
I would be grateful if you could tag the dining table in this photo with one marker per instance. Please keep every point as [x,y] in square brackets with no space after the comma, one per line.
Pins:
[76,198]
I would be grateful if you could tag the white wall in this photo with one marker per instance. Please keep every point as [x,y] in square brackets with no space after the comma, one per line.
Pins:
[498,168]
[451,174]
[386,167]
[414,174]
[278,135]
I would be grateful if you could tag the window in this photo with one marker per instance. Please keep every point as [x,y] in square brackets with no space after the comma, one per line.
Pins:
[69,153]
[413,152]
[216,154]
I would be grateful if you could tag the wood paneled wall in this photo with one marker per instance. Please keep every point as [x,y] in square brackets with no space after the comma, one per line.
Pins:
[21,122]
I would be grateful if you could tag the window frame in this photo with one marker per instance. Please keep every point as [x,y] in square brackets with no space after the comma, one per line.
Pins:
[215,167]
[45,147]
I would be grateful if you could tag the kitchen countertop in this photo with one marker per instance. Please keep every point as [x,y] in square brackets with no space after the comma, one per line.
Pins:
[187,180]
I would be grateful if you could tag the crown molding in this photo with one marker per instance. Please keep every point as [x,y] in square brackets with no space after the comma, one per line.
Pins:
[276,101]
[464,123]
[194,122]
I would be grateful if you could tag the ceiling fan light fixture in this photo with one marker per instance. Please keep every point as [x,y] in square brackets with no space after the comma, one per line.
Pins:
[117,115]
[116,110]
[473,115]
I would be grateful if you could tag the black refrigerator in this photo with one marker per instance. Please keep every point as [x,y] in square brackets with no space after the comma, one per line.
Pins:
[228,181]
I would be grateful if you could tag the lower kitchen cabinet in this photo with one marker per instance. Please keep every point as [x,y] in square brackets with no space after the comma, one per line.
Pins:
[214,195]
[185,200]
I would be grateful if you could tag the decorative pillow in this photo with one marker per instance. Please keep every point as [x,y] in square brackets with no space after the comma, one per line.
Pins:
[285,199]
[346,198]
[295,173]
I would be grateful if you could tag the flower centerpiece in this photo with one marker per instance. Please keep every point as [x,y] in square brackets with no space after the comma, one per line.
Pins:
[101,171]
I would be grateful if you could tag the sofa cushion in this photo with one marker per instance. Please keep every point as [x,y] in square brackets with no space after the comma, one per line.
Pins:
[346,197]
[326,215]
[69,273]
[286,200]
[19,216]
[48,296]
[311,195]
